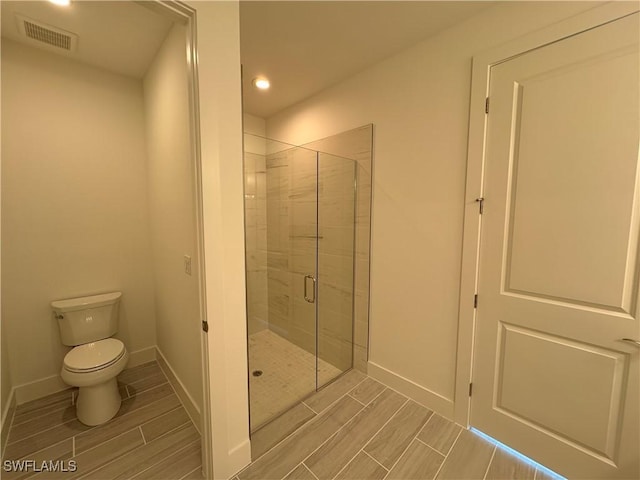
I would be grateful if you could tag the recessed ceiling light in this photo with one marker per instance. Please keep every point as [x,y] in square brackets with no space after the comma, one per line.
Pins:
[261,83]
[62,3]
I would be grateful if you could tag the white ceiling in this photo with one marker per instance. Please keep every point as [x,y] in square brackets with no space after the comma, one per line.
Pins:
[121,37]
[304,47]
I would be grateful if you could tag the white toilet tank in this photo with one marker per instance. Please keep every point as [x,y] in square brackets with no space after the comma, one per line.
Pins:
[87,319]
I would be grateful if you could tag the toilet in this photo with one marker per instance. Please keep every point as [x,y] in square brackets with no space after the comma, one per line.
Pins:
[87,323]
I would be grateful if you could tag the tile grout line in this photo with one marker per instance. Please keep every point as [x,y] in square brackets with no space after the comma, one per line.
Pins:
[35,434]
[4,448]
[361,403]
[73,393]
[197,468]
[73,446]
[368,455]
[415,437]
[43,415]
[36,417]
[136,392]
[99,444]
[427,445]
[447,455]
[374,398]
[316,416]
[313,474]
[26,457]
[114,460]
[302,402]
[327,440]
[379,430]
[427,422]
[149,467]
[312,419]
[493,454]
[46,430]
[339,398]
[144,440]
[92,428]
[372,436]
[454,442]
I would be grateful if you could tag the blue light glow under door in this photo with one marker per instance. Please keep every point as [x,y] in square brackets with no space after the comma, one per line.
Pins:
[518,455]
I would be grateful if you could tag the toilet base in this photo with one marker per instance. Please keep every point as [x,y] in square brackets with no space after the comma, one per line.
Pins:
[97,404]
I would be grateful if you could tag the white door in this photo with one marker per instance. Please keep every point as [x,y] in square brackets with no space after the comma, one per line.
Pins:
[558,274]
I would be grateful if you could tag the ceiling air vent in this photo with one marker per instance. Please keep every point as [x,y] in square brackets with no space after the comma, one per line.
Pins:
[47,34]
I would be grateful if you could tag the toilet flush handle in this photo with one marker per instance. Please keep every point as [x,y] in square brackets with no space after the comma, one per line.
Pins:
[59,316]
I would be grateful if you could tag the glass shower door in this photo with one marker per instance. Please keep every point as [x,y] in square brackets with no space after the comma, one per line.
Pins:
[281,243]
[303,246]
[336,264]
[300,208]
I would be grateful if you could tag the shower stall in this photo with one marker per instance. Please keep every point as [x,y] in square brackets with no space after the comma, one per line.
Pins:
[300,226]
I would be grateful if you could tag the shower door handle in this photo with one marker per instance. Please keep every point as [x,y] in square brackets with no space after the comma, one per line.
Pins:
[306,296]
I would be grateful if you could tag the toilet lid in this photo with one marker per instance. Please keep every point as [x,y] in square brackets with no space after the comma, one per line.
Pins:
[94,355]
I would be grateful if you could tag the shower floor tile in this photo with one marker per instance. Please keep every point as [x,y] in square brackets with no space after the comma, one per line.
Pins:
[288,375]
[151,427]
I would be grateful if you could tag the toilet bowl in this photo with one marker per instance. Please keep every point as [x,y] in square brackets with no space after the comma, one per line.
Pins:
[93,367]
[87,324]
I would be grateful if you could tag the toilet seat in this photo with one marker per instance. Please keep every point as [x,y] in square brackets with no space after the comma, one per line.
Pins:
[94,356]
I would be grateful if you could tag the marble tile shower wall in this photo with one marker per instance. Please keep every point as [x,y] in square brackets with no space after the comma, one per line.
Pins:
[357,144]
[336,220]
[291,244]
[281,228]
[255,177]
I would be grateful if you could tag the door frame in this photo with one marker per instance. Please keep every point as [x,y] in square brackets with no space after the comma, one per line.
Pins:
[183,13]
[219,218]
[481,71]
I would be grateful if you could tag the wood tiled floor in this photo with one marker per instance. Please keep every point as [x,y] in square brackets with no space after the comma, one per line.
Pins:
[151,437]
[357,428]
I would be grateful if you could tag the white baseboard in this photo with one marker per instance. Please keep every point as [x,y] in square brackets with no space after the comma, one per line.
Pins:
[187,401]
[39,388]
[7,418]
[139,357]
[434,401]
[53,384]
[238,456]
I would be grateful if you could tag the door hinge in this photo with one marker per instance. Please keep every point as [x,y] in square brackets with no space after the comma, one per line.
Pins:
[475,301]
[480,200]
[486,105]
[470,388]
[205,326]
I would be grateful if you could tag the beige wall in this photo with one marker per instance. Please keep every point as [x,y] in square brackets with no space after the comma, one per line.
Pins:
[255,126]
[172,214]
[5,373]
[74,202]
[418,101]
